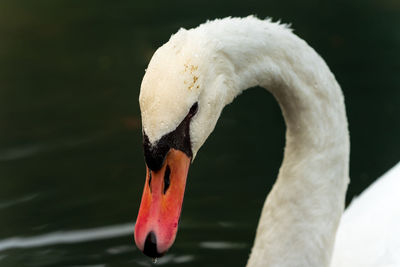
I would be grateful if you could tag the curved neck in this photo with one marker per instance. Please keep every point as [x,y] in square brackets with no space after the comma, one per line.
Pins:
[301,214]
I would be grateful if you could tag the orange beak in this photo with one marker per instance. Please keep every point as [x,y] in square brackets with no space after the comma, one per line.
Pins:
[160,209]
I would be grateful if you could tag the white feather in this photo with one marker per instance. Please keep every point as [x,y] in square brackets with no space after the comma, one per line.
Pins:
[369,232]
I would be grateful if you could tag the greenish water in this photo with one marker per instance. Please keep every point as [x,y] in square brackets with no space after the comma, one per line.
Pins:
[71,163]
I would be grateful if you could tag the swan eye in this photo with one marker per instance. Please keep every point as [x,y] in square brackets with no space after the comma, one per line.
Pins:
[166,179]
[193,110]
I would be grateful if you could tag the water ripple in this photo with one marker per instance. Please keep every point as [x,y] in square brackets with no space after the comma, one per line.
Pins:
[13,202]
[221,245]
[28,150]
[67,237]
[96,265]
[167,259]
[119,250]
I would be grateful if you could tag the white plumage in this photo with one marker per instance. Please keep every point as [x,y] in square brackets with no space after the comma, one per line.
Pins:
[369,232]
[214,63]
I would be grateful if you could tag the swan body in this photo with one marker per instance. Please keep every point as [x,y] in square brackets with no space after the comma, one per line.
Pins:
[189,81]
[369,232]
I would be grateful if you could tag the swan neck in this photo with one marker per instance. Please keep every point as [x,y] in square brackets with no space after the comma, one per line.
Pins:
[302,212]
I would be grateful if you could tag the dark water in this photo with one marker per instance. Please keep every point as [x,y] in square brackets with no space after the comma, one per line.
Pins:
[71,164]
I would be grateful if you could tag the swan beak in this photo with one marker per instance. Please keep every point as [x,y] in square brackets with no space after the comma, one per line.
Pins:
[160,208]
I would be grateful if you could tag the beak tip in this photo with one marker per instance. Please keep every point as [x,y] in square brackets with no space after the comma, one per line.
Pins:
[150,246]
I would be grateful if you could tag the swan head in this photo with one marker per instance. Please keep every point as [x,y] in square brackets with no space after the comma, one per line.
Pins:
[181,98]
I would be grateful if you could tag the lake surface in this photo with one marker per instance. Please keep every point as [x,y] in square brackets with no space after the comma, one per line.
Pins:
[71,163]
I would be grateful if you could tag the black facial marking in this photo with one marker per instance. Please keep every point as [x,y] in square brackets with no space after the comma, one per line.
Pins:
[193,109]
[166,179]
[178,139]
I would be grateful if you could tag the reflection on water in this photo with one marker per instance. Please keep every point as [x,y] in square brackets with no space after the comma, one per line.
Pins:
[19,152]
[69,237]
[167,259]
[120,249]
[71,163]
[221,245]
[175,259]
[27,150]
[96,265]
[16,201]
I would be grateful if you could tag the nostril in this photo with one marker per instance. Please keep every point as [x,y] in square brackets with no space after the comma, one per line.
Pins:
[150,246]
[150,180]
[166,179]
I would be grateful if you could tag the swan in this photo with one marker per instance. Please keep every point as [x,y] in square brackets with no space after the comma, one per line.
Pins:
[189,81]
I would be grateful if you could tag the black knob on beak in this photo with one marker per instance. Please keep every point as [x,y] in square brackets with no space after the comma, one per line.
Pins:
[150,246]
